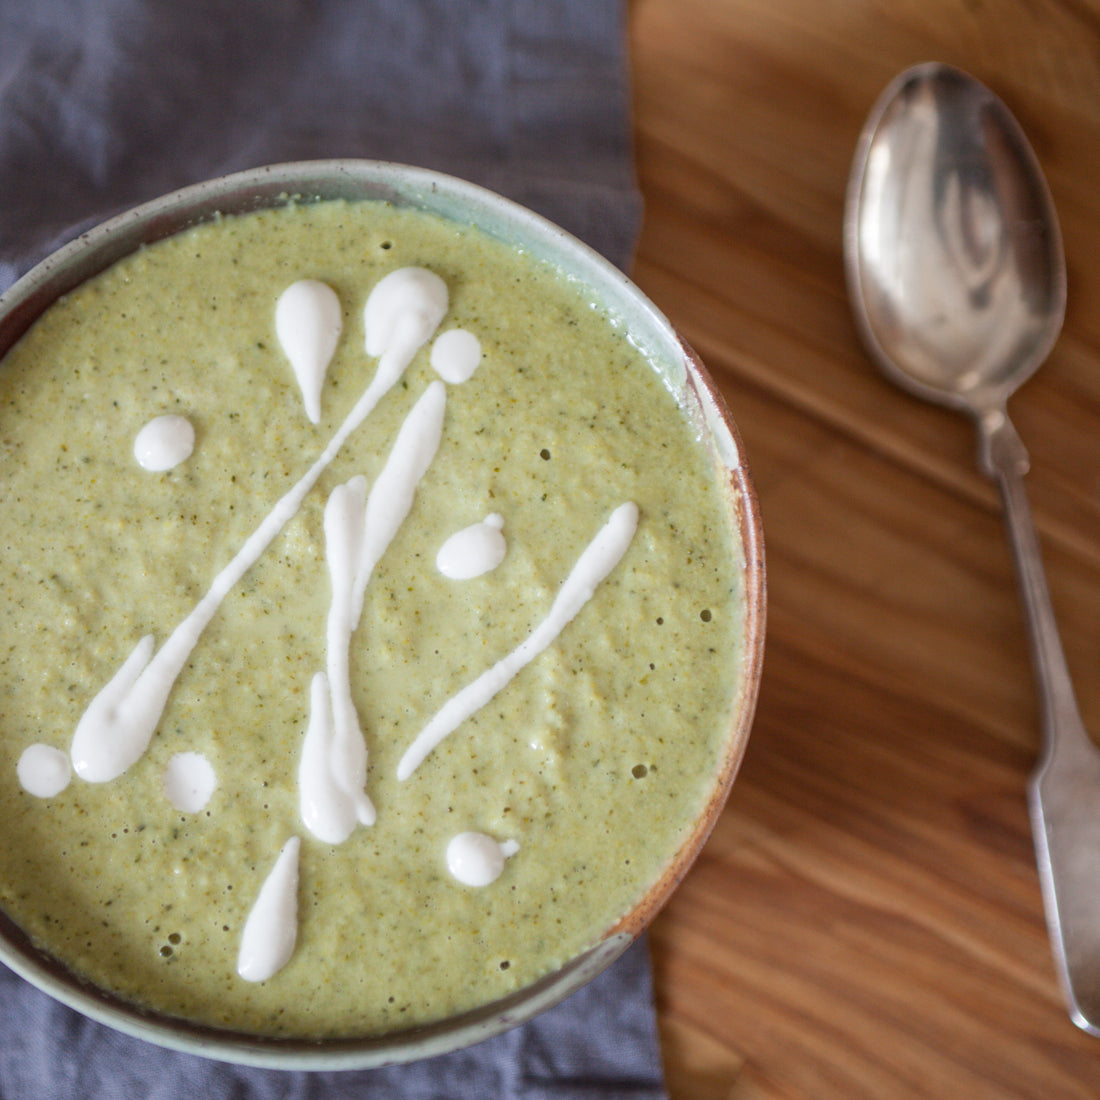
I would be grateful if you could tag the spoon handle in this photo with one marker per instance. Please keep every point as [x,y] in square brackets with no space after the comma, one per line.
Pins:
[1064,789]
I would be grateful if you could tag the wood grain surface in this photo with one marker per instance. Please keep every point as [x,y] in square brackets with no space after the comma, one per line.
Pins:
[866,920]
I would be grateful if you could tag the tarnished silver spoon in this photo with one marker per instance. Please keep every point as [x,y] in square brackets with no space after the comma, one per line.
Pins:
[957,281]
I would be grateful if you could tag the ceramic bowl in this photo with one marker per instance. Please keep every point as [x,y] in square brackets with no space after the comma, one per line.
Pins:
[684,375]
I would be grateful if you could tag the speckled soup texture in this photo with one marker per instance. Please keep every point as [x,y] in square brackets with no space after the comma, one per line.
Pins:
[594,759]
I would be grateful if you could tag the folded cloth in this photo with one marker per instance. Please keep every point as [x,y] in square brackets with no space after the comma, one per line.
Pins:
[598,1044]
[107,103]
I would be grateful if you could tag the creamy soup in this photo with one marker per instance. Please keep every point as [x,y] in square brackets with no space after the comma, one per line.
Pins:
[371,623]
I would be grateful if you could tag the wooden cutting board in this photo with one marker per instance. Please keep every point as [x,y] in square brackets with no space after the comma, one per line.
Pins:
[866,920]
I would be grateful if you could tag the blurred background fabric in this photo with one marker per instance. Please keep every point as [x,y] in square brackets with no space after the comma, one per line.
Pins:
[105,104]
[108,103]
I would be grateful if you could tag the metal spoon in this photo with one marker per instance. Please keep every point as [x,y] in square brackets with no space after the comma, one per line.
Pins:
[957,281]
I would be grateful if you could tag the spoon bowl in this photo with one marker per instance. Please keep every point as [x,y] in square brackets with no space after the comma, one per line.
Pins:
[954,252]
[957,281]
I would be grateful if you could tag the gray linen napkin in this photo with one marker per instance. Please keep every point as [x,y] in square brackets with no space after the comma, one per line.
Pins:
[108,103]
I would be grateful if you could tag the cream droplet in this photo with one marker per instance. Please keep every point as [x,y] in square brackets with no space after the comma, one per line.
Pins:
[164,442]
[474,550]
[271,930]
[455,355]
[43,770]
[402,311]
[189,781]
[308,321]
[475,859]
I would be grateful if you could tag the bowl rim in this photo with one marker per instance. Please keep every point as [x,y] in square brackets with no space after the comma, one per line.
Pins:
[274,185]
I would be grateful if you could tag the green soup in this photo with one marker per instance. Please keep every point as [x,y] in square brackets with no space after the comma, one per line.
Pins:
[589,764]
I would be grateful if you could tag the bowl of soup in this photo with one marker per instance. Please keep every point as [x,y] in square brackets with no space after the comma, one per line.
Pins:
[385,617]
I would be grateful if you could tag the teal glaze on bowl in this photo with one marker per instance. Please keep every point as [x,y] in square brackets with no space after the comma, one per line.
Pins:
[682,374]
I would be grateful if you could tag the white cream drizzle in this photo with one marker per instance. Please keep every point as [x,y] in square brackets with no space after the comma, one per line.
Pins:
[43,770]
[473,551]
[334,754]
[400,316]
[358,528]
[601,555]
[391,497]
[476,859]
[164,442]
[401,313]
[271,930]
[189,782]
[329,810]
[455,355]
[308,322]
